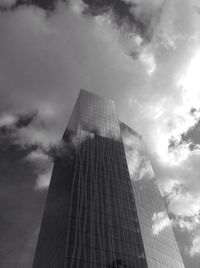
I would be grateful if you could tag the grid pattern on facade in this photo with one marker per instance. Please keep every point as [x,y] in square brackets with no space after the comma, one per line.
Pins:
[103,224]
[103,207]
[103,228]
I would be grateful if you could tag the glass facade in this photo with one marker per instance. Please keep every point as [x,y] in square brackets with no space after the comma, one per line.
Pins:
[103,207]
[158,238]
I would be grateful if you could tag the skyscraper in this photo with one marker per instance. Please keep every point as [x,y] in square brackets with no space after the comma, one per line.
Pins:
[104,208]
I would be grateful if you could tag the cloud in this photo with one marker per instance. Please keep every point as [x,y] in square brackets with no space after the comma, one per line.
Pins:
[41,45]
[28,68]
[192,135]
[190,82]
[139,17]
[47,59]
[147,12]
[183,203]
[149,61]
[43,180]
[131,74]
[7,120]
[29,133]
[37,156]
[78,6]
[37,135]
[195,248]
[28,128]
[189,224]
[21,208]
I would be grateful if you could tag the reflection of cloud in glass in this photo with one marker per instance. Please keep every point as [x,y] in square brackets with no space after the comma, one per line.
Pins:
[146,171]
[138,163]
[158,237]
[100,128]
[160,222]
[82,136]
[133,167]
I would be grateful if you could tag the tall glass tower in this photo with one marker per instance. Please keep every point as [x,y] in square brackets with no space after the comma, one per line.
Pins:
[103,208]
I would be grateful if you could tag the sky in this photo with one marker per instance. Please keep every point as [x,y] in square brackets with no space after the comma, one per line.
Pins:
[143,54]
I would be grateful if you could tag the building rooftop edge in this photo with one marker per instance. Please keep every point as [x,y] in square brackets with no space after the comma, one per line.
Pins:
[95,94]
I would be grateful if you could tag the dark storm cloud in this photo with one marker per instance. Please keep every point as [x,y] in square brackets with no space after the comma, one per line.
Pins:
[18,121]
[12,133]
[39,154]
[124,15]
[20,205]
[11,125]
[24,120]
[121,10]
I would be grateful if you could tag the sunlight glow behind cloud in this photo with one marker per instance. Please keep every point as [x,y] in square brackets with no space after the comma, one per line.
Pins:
[190,83]
[149,61]
[181,118]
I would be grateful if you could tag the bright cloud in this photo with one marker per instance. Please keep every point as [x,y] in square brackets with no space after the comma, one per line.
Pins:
[77,6]
[149,61]
[190,83]
[184,204]
[195,248]
[180,201]
[172,121]
[187,223]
